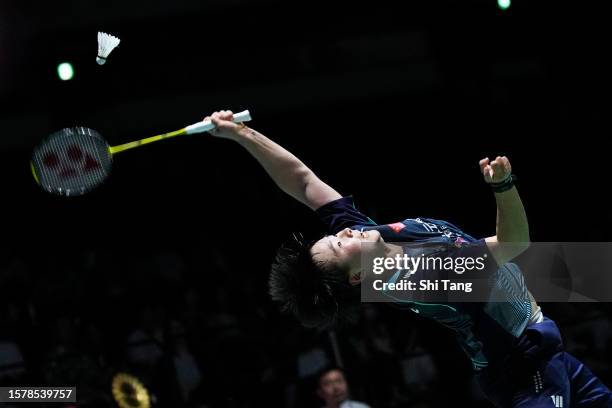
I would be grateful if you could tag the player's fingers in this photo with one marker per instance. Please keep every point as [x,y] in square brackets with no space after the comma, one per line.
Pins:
[483,164]
[507,164]
[226,115]
[498,168]
[488,173]
[221,123]
[215,121]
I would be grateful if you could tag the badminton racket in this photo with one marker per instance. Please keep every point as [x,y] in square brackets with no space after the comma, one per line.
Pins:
[73,161]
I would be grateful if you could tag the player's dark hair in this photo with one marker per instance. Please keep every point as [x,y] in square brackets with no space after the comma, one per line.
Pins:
[317,293]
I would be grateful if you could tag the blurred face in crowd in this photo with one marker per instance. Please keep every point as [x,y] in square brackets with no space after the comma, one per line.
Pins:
[347,249]
[333,388]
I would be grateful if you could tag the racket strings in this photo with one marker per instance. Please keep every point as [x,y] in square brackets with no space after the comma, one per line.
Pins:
[72,161]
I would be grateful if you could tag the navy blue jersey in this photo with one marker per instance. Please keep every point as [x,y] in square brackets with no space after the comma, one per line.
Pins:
[485,331]
[341,213]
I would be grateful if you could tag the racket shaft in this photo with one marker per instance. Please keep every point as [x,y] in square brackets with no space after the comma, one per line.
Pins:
[199,127]
[137,143]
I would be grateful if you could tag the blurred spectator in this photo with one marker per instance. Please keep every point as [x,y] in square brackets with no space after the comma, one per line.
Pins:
[419,370]
[188,372]
[11,360]
[312,361]
[145,343]
[333,389]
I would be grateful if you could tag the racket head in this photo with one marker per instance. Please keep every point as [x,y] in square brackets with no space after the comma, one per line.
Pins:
[71,161]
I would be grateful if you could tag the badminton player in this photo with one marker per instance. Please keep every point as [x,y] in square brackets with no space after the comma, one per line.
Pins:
[516,350]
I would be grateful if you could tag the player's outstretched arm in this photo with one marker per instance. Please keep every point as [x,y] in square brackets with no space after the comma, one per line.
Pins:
[512,232]
[287,171]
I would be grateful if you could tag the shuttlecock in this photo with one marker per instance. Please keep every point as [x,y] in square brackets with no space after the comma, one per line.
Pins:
[106,43]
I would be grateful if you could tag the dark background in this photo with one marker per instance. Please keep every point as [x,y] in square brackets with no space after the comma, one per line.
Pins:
[394,103]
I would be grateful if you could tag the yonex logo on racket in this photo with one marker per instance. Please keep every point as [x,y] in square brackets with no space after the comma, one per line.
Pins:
[77,161]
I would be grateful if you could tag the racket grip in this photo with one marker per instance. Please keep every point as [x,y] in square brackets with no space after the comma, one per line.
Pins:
[207,125]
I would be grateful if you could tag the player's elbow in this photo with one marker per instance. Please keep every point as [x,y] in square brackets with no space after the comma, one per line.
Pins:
[505,250]
[517,241]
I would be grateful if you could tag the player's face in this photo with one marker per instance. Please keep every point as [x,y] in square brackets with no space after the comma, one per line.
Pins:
[348,248]
[333,388]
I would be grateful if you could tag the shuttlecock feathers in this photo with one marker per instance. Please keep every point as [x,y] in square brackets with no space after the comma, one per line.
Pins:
[106,43]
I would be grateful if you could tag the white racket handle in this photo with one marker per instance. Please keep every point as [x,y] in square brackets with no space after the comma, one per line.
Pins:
[207,125]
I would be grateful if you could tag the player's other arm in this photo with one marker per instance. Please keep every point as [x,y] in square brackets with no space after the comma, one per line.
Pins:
[288,172]
[512,232]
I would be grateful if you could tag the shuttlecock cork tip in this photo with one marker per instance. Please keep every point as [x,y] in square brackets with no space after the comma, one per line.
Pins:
[100,60]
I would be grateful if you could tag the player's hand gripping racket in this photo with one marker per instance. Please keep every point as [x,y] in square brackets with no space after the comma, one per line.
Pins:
[74,161]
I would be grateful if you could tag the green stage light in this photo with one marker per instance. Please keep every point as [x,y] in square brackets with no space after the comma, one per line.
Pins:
[503,4]
[65,71]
